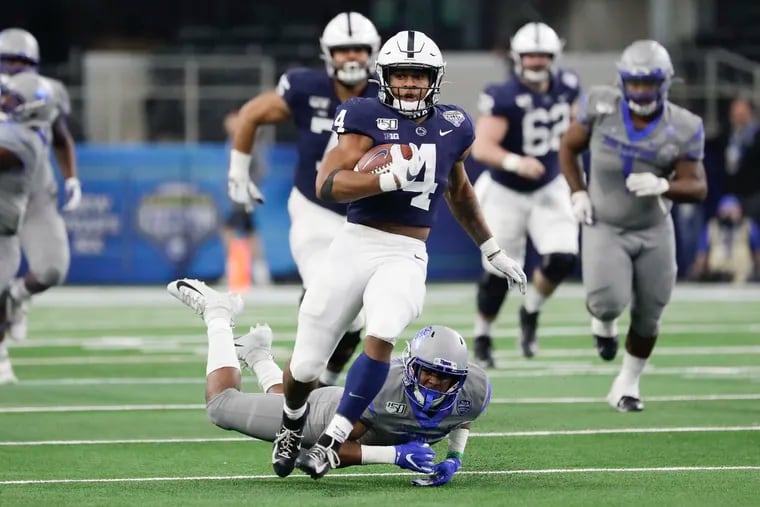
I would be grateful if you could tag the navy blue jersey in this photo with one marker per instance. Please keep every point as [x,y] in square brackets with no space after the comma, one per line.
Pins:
[310,94]
[536,121]
[442,139]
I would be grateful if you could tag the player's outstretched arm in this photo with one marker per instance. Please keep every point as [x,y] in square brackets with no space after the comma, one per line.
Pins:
[573,143]
[65,155]
[444,471]
[463,204]
[336,179]
[265,109]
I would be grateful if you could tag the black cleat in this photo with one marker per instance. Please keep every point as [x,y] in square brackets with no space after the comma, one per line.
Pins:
[528,339]
[483,351]
[321,458]
[629,404]
[287,444]
[606,347]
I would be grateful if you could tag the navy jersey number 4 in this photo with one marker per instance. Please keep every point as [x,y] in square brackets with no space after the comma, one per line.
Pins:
[442,138]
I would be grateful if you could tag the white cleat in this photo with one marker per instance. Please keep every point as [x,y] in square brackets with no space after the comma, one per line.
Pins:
[254,346]
[6,372]
[199,297]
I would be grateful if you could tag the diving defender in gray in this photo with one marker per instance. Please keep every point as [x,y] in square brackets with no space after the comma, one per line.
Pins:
[44,240]
[430,393]
[22,154]
[645,153]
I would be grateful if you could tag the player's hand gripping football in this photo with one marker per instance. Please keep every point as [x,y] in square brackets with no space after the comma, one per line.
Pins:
[405,171]
[415,456]
[582,208]
[504,264]
[442,473]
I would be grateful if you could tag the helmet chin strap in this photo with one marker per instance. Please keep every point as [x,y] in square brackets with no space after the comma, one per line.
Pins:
[535,76]
[351,73]
[642,109]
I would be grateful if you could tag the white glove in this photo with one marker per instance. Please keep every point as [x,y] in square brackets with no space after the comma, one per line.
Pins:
[240,188]
[646,184]
[401,172]
[510,268]
[73,193]
[582,208]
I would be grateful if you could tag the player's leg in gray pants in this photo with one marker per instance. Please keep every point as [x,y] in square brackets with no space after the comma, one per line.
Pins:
[11,257]
[607,271]
[44,241]
[259,415]
[654,276]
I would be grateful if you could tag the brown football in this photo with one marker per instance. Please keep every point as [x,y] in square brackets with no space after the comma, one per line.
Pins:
[378,158]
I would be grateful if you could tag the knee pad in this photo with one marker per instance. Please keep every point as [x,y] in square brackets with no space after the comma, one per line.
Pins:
[492,290]
[215,408]
[644,326]
[557,266]
[603,312]
[46,279]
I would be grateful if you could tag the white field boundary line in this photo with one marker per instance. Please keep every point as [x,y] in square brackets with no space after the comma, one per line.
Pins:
[584,370]
[154,355]
[338,475]
[538,433]
[496,401]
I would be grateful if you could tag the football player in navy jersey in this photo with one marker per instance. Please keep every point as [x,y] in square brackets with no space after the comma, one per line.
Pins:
[349,47]
[378,261]
[517,137]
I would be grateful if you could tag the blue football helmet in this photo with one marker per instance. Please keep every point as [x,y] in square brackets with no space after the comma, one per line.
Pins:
[441,350]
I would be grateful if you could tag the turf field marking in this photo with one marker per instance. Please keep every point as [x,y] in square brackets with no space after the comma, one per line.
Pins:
[337,475]
[497,401]
[540,433]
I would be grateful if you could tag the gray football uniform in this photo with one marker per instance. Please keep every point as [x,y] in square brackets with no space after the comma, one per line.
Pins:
[629,254]
[43,234]
[391,418]
[15,185]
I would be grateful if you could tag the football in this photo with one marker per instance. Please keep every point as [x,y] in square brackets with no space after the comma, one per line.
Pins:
[377,159]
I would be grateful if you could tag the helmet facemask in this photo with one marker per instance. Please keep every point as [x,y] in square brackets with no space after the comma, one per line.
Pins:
[351,72]
[393,96]
[644,103]
[349,30]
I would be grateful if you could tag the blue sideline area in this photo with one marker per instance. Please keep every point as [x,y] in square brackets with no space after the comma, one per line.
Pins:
[151,213]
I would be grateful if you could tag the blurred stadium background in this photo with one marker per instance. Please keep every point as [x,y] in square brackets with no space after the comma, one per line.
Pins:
[152,81]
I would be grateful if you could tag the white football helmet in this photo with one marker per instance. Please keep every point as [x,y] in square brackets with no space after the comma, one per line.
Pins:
[349,29]
[415,50]
[18,44]
[535,38]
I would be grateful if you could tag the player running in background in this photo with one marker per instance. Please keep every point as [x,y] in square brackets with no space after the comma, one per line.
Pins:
[431,392]
[26,101]
[44,240]
[517,137]
[645,153]
[349,45]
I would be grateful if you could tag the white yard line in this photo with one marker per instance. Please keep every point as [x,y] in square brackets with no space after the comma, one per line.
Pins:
[336,475]
[541,433]
[496,401]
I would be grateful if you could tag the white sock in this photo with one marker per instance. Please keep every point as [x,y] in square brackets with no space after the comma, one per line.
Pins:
[260,272]
[339,428]
[18,289]
[221,348]
[267,373]
[605,329]
[329,378]
[3,350]
[628,379]
[294,414]
[482,326]
[534,300]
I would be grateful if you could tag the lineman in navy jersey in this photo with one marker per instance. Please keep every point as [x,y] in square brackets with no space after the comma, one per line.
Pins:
[349,46]
[517,137]
[379,259]
[431,393]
